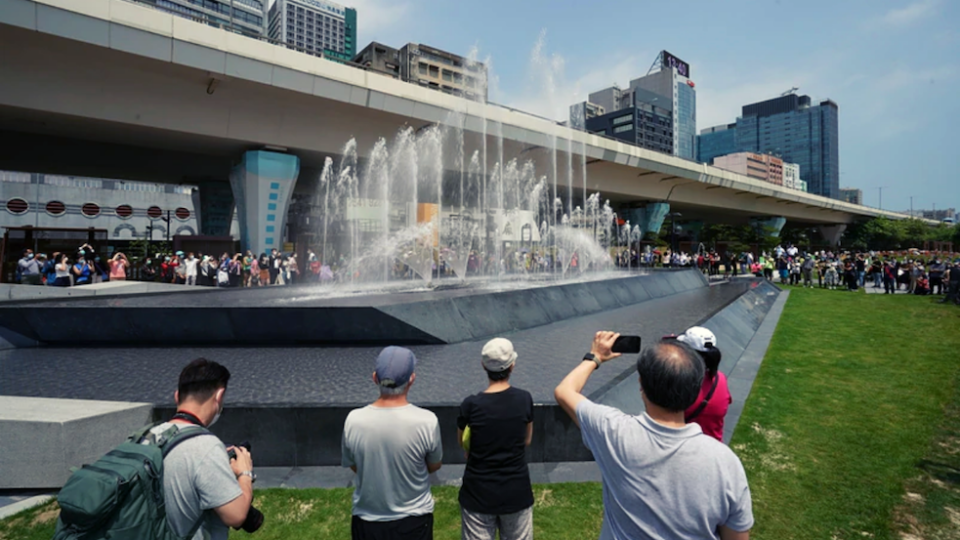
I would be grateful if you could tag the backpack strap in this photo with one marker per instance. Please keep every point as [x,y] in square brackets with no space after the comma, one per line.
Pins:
[703,405]
[171,443]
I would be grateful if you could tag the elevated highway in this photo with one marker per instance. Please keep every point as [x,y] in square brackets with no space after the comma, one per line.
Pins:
[115,89]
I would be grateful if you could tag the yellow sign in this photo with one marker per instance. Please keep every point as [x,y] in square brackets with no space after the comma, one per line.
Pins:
[428,213]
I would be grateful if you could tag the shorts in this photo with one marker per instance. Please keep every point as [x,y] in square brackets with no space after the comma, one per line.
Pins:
[515,526]
[408,528]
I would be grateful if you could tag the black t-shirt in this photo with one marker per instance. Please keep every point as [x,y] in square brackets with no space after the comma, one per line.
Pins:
[496,479]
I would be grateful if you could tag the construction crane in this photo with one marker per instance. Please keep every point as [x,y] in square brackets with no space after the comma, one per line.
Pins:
[790,91]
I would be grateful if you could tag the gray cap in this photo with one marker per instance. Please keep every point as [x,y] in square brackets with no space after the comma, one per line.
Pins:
[395,365]
[498,355]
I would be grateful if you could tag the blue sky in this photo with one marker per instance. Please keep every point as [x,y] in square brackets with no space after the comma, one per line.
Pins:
[893,66]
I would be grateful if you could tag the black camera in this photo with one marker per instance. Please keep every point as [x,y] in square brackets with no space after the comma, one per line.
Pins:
[254,517]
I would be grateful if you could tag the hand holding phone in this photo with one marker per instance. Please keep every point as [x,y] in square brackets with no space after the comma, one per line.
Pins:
[626,344]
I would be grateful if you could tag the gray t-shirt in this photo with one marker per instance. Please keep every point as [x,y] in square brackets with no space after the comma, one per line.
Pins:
[390,447]
[662,482]
[196,479]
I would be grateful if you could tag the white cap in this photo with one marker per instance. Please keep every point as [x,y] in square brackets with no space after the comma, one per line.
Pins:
[699,338]
[498,355]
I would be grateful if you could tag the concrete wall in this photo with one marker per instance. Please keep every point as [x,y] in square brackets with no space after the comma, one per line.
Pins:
[43,438]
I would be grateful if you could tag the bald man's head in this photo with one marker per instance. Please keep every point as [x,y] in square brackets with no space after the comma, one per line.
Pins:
[671,374]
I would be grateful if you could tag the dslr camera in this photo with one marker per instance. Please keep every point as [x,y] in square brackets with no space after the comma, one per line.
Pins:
[254,516]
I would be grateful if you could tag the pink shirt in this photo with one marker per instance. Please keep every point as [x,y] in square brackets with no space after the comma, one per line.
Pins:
[711,418]
[117,270]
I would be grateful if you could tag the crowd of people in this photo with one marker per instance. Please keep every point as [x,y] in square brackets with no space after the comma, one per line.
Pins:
[671,456]
[67,269]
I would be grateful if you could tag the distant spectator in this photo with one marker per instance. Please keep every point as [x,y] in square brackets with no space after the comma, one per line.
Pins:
[82,272]
[62,269]
[148,272]
[190,269]
[28,269]
[49,269]
[393,446]
[118,267]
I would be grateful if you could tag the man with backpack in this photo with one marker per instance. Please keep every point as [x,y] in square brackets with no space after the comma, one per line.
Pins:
[200,482]
[172,481]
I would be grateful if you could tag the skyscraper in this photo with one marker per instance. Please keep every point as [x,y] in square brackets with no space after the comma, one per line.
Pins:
[666,94]
[316,27]
[793,129]
[716,141]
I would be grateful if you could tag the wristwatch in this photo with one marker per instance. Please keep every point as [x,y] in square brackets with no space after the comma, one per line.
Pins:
[253,477]
[589,357]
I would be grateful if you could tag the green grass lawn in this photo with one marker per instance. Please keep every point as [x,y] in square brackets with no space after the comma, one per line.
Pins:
[850,394]
[561,511]
[844,436]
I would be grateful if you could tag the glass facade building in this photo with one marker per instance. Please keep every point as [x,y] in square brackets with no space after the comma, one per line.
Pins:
[686,121]
[793,129]
[715,142]
[661,95]
[245,16]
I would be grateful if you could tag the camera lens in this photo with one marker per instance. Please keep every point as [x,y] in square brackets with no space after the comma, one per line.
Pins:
[254,521]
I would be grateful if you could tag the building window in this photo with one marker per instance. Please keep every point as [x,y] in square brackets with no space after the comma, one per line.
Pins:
[56,208]
[182,214]
[154,212]
[434,72]
[622,119]
[621,129]
[17,206]
[124,211]
[448,76]
[90,210]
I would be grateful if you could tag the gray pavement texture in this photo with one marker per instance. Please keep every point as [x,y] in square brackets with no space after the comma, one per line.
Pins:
[285,376]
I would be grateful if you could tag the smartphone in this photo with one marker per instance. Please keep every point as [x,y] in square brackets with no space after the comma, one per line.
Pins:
[626,344]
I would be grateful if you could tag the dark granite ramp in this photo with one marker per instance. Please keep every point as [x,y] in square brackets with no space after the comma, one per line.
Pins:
[290,402]
[735,326]
[310,316]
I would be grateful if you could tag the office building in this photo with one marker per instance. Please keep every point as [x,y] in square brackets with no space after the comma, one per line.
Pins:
[244,16]
[666,90]
[642,124]
[428,67]
[315,27]
[851,195]
[763,167]
[716,141]
[379,58]
[791,175]
[794,129]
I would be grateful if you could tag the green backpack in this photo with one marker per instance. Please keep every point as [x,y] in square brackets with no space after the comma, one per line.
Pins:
[120,497]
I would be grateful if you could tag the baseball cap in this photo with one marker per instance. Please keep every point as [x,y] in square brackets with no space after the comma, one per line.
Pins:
[498,355]
[699,338]
[395,365]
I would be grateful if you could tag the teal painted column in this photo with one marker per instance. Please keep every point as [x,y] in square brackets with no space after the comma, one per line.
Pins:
[649,218]
[262,186]
[773,224]
[833,233]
